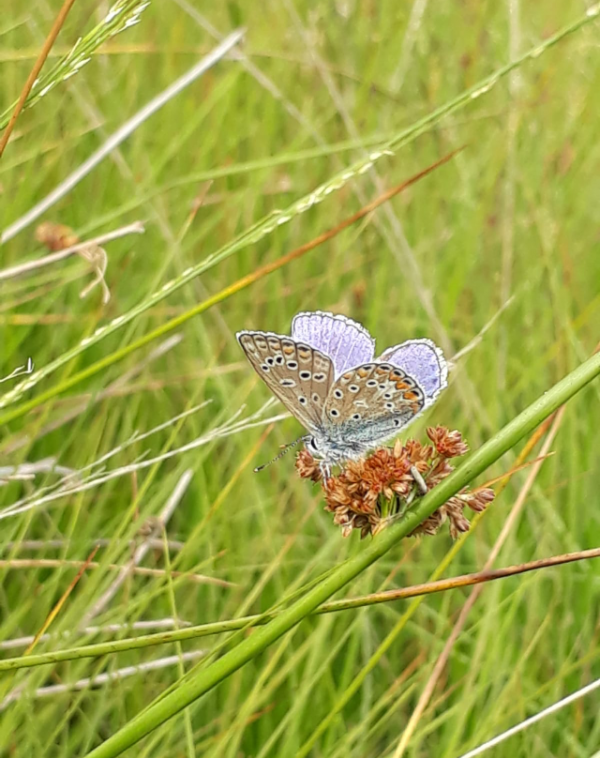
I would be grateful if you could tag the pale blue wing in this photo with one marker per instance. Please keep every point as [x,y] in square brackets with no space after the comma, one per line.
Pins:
[424,362]
[345,341]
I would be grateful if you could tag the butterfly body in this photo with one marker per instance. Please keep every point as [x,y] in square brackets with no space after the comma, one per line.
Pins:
[326,375]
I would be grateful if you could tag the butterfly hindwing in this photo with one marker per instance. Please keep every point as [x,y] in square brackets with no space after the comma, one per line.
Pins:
[424,361]
[296,373]
[371,403]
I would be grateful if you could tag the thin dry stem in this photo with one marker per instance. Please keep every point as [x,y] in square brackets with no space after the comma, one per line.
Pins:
[121,134]
[166,623]
[161,522]
[66,487]
[442,661]
[24,268]
[37,67]
[43,563]
[86,401]
[557,706]
[61,602]
[19,371]
[100,679]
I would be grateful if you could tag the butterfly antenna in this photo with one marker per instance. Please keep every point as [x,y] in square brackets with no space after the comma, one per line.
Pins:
[284,450]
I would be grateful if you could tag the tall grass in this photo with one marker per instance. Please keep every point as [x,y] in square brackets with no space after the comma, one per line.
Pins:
[305,111]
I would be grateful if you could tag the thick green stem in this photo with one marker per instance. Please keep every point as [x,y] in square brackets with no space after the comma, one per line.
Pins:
[334,606]
[188,691]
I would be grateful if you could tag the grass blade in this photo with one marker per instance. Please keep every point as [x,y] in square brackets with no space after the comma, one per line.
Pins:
[163,709]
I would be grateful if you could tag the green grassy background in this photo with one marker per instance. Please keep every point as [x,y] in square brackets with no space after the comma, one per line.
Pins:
[514,214]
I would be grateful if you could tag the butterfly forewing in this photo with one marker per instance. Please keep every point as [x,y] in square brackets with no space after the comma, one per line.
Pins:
[296,373]
[371,403]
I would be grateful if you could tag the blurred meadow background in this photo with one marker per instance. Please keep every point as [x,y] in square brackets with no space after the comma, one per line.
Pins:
[497,250]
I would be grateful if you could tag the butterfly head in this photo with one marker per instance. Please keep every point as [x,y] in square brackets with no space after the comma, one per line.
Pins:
[331,450]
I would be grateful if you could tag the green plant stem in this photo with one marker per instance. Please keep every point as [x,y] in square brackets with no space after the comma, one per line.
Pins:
[232,625]
[163,709]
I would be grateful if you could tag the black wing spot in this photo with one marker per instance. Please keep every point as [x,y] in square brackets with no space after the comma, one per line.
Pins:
[372,383]
[302,399]
[265,367]
[305,375]
[356,416]
[339,394]
[389,406]
[270,361]
[292,364]
[279,360]
[333,412]
[354,388]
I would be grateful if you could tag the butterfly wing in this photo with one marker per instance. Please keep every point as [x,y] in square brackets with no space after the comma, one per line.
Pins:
[345,341]
[369,404]
[422,360]
[296,373]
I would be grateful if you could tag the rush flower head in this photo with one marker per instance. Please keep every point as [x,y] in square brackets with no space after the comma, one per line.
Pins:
[370,492]
[447,444]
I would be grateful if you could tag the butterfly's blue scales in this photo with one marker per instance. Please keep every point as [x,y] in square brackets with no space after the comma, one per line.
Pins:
[327,375]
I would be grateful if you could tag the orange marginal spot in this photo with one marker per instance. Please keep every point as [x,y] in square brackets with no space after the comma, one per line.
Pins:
[362,372]
[411,396]
[288,349]
[401,386]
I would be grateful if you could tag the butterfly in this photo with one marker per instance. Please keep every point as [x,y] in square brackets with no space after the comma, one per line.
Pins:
[326,375]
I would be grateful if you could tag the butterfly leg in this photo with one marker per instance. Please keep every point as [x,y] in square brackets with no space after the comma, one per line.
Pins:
[325,469]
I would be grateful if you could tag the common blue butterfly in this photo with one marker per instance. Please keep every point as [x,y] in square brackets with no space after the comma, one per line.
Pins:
[327,376]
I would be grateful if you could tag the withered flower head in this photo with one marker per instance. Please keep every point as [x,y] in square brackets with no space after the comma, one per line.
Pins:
[369,493]
[307,466]
[55,236]
[447,444]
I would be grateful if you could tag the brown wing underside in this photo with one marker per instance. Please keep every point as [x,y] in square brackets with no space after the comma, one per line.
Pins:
[372,402]
[297,374]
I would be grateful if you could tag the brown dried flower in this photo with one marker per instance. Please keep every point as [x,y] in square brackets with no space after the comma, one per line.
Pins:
[447,444]
[55,236]
[307,467]
[367,494]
